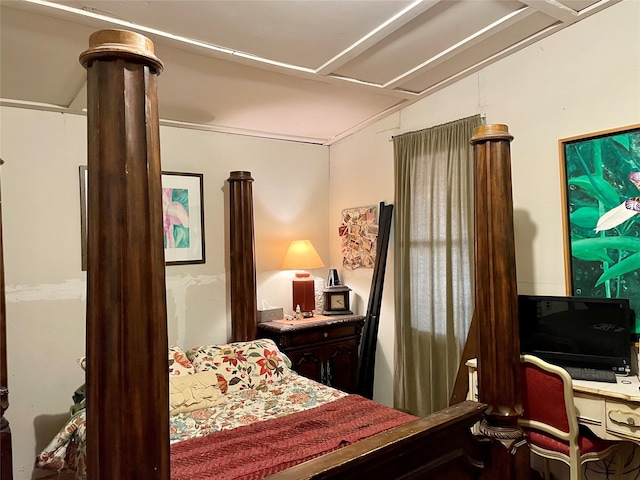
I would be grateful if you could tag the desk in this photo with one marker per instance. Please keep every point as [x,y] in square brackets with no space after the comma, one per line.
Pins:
[610,410]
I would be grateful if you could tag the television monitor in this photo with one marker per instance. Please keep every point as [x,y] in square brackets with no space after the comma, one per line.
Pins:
[577,331]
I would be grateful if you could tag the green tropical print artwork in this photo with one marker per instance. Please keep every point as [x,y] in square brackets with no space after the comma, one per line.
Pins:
[603,186]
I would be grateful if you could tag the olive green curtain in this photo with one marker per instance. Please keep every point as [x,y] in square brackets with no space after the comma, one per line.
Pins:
[433,261]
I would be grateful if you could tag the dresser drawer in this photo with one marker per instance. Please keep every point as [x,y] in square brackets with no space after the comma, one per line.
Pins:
[623,419]
[334,332]
[324,348]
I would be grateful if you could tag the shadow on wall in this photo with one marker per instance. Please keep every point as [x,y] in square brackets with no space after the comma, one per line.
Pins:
[524,233]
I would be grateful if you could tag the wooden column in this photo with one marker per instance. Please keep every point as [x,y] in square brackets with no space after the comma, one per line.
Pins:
[242,269]
[496,309]
[127,370]
[6,462]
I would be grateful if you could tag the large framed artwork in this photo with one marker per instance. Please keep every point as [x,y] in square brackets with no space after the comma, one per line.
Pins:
[600,175]
[182,217]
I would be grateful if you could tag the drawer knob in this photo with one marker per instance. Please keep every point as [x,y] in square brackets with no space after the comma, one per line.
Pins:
[624,418]
[325,334]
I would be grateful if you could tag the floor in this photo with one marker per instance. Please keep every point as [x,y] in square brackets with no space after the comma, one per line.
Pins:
[596,470]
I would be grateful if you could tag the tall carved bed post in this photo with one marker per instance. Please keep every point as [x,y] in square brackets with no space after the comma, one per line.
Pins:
[6,462]
[127,376]
[496,308]
[243,271]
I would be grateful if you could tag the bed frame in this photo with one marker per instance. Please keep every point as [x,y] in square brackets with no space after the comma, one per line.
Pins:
[126,311]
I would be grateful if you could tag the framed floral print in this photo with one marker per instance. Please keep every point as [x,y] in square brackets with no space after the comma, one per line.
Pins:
[183,218]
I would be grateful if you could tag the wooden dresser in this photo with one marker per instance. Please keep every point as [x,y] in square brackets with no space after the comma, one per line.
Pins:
[323,348]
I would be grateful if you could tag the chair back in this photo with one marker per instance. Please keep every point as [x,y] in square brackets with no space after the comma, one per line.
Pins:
[547,399]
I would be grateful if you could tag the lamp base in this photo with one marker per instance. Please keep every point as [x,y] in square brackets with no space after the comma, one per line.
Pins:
[304,294]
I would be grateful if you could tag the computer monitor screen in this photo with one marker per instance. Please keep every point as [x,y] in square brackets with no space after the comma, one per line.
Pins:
[576,331]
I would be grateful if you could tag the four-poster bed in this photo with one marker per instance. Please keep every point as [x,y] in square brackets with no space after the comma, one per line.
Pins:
[128,412]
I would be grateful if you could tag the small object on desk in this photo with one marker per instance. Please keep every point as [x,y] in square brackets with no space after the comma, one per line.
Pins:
[333,280]
[268,313]
[336,300]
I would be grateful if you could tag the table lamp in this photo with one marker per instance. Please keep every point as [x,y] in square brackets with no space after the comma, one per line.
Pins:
[302,256]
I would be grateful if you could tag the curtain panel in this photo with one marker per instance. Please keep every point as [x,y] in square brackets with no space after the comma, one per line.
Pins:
[433,259]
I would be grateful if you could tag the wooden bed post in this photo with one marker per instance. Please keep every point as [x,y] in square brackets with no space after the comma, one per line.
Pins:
[244,315]
[496,309]
[127,362]
[6,456]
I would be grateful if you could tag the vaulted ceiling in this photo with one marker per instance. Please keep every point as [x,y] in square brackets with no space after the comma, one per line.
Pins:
[303,70]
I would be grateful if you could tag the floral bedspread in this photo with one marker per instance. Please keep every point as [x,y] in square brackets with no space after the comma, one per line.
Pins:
[294,393]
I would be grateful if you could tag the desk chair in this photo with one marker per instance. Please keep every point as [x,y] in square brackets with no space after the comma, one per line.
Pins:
[550,421]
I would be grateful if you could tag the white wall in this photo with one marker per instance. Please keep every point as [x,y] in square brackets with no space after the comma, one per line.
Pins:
[44,282]
[582,79]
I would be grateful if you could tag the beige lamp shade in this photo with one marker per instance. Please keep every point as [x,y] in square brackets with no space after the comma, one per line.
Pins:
[301,255]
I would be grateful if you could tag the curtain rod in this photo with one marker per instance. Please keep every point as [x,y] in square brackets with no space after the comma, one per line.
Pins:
[483,121]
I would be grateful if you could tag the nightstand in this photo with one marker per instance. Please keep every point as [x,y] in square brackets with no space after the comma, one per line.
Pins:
[323,348]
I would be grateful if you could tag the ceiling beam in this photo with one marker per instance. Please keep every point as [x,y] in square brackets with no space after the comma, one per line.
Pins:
[553,9]
[487,32]
[375,36]
[493,58]
[565,14]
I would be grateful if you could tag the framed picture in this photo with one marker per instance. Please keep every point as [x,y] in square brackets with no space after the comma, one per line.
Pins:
[183,217]
[600,174]
[358,237]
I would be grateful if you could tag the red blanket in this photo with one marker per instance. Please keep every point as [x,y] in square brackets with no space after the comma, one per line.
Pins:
[255,451]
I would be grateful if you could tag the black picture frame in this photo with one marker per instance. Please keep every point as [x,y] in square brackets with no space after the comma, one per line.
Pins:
[187,193]
[183,201]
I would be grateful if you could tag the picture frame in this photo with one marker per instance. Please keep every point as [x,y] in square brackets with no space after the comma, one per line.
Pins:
[182,202]
[602,234]
[183,194]
[358,233]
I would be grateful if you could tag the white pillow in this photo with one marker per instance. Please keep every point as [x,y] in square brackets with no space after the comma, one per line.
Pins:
[193,392]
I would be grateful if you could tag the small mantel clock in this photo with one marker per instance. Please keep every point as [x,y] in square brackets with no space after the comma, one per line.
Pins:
[336,300]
